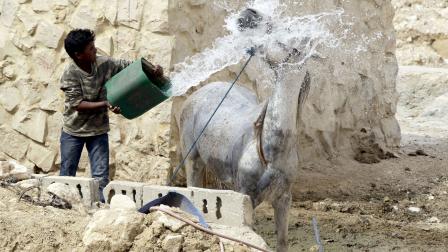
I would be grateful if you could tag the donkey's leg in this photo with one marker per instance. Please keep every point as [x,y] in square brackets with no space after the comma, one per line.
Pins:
[195,171]
[281,209]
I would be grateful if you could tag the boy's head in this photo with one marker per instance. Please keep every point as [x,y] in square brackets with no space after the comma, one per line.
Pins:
[79,45]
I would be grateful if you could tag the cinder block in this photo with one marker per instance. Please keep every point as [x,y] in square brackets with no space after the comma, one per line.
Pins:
[133,190]
[224,206]
[218,206]
[88,188]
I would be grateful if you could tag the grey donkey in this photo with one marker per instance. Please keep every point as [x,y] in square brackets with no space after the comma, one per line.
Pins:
[250,147]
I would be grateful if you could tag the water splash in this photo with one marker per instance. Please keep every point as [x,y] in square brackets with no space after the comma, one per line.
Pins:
[276,32]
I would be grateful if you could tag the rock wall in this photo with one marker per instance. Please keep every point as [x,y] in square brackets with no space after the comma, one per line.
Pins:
[32,59]
[422,32]
[350,111]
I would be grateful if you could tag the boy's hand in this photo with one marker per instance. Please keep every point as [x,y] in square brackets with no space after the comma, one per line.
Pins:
[115,109]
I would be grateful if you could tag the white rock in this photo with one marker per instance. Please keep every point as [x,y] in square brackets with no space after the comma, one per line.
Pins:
[115,229]
[197,2]
[120,201]
[49,34]
[9,71]
[84,17]
[10,98]
[172,242]
[156,17]
[41,156]
[8,12]
[169,222]
[110,11]
[130,13]
[24,43]
[13,144]
[41,5]
[433,220]
[43,68]
[60,3]
[28,19]
[104,45]
[414,209]
[13,169]
[31,123]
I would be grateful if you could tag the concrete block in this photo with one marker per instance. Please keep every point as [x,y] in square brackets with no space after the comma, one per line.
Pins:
[88,188]
[133,190]
[224,207]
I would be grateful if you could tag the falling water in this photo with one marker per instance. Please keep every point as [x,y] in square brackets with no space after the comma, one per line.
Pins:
[305,33]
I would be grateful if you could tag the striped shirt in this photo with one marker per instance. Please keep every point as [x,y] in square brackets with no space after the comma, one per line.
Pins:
[79,86]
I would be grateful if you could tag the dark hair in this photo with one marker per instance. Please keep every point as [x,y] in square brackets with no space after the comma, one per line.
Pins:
[77,40]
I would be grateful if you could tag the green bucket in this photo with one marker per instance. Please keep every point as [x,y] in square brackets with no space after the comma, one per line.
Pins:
[135,89]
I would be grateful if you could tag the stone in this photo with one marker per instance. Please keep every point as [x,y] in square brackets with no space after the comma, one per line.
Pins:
[10,98]
[113,230]
[49,34]
[8,12]
[124,40]
[84,17]
[51,99]
[13,144]
[120,201]
[104,44]
[31,123]
[110,11]
[29,20]
[9,72]
[4,116]
[63,3]
[43,68]
[54,125]
[156,17]
[41,5]
[130,13]
[168,221]
[441,47]
[172,242]
[41,156]
[30,90]
[197,2]
[23,42]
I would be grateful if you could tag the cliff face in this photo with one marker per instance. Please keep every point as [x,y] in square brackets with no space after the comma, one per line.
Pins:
[32,59]
[422,32]
[349,112]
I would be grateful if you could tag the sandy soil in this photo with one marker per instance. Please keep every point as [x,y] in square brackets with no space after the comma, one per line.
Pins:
[375,217]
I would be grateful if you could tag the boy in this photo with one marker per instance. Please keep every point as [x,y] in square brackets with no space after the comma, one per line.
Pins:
[85,118]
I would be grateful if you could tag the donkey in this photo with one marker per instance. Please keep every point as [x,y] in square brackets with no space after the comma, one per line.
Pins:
[250,147]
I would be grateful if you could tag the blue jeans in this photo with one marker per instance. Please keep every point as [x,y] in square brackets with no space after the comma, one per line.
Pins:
[98,149]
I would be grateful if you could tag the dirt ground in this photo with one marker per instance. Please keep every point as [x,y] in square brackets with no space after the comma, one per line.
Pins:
[375,217]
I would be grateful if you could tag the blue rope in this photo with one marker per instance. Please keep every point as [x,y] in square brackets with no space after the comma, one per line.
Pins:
[251,52]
